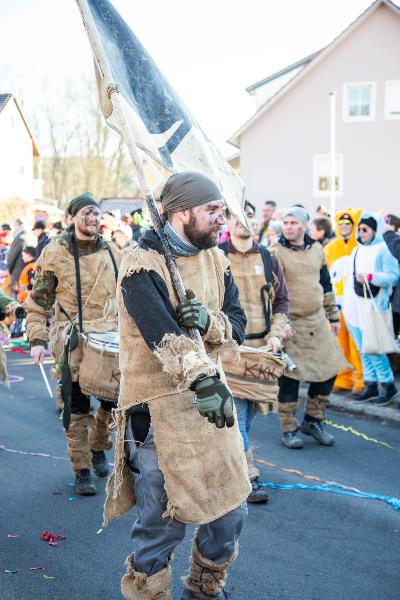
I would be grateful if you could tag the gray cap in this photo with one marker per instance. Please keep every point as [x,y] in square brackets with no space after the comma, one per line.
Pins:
[298,213]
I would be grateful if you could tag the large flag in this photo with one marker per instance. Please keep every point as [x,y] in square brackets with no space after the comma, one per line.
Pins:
[162,126]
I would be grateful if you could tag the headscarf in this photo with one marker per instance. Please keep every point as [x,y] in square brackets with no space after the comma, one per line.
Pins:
[86,199]
[186,190]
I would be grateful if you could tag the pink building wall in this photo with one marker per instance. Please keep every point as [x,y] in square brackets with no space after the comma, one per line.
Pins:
[278,149]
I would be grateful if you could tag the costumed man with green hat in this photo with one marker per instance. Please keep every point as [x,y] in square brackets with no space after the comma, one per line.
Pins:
[75,290]
[179,452]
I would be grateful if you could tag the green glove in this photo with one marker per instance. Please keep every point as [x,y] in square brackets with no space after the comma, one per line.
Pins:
[214,401]
[192,314]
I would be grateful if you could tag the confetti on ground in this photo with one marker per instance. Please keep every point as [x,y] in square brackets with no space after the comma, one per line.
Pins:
[393,502]
[361,435]
[72,498]
[48,577]
[37,569]
[50,538]
[8,571]
[4,449]
[12,535]
[99,531]
[301,474]
[59,494]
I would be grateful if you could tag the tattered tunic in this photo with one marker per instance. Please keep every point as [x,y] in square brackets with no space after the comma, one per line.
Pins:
[204,468]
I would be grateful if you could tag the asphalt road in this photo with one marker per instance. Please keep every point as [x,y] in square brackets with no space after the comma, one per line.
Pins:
[304,544]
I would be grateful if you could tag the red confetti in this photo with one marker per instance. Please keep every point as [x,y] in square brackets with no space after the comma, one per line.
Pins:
[50,538]
[18,350]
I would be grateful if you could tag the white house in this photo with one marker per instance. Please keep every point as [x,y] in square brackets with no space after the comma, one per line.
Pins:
[284,146]
[19,153]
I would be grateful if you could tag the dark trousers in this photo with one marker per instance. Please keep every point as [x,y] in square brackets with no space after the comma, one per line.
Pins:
[80,403]
[289,388]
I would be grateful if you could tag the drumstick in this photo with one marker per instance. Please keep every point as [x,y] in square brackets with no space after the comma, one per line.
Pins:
[45,380]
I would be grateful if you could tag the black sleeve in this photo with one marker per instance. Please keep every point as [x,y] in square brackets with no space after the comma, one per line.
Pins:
[13,254]
[325,280]
[147,302]
[393,243]
[232,308]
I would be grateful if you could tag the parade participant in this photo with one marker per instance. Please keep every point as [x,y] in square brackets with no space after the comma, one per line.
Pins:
[337,253]
[26,278]
[315,322]
[267,211]
[15,264]
[264,297]
[39,229]
[321,230]
[186,460]
[9,311]
[76,279]
[371,266]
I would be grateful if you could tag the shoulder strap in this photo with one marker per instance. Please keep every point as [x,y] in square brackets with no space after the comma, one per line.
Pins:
[354,263]
[114,264]
[267,261]
[224,247]
[75,253]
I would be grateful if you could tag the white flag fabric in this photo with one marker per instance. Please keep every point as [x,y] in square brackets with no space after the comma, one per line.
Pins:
[162,126]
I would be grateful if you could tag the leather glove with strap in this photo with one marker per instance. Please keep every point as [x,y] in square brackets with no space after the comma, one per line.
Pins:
[214,401]
[193,314]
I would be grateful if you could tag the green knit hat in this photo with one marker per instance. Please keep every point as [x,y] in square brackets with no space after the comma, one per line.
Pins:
[7,304]
[86,199]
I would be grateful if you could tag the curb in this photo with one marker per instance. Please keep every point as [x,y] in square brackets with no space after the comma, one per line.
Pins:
[387,413]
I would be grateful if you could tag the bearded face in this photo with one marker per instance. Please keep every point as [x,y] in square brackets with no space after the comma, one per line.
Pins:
[205,223]
[87,222]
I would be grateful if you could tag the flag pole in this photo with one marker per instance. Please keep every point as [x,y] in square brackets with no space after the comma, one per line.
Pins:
[332,118]
[113,93]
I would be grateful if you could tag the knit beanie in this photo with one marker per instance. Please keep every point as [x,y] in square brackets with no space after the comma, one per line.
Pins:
[370,221]
[86,199]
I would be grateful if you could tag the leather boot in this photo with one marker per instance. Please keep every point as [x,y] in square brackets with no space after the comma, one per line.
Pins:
[370,393]
[206,579]
[287,416]
[84,484]
[100,463]
[100,434]
[387,395]
[139,586]
[258,495]
[78,443]
[317,430]
[291,440]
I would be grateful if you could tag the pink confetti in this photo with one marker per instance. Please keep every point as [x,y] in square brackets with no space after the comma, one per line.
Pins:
[50,538]
[38,569]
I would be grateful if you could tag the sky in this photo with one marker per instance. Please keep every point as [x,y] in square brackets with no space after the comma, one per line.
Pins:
[209,50]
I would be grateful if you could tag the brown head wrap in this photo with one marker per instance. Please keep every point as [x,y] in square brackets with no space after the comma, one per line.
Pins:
[187,190]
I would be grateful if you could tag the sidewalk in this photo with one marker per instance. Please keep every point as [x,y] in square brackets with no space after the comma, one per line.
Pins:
[344,402]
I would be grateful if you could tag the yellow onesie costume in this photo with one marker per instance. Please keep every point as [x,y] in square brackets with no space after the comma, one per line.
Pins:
[337,257]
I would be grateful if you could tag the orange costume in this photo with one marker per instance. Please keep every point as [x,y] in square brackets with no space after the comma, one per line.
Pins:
[337,257]
[25,281]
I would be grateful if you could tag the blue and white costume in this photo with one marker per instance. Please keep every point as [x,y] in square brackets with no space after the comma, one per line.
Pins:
[375,260]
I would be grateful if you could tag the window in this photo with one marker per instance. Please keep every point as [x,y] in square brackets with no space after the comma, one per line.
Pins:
[392,100]
[359,101]
[322,174]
